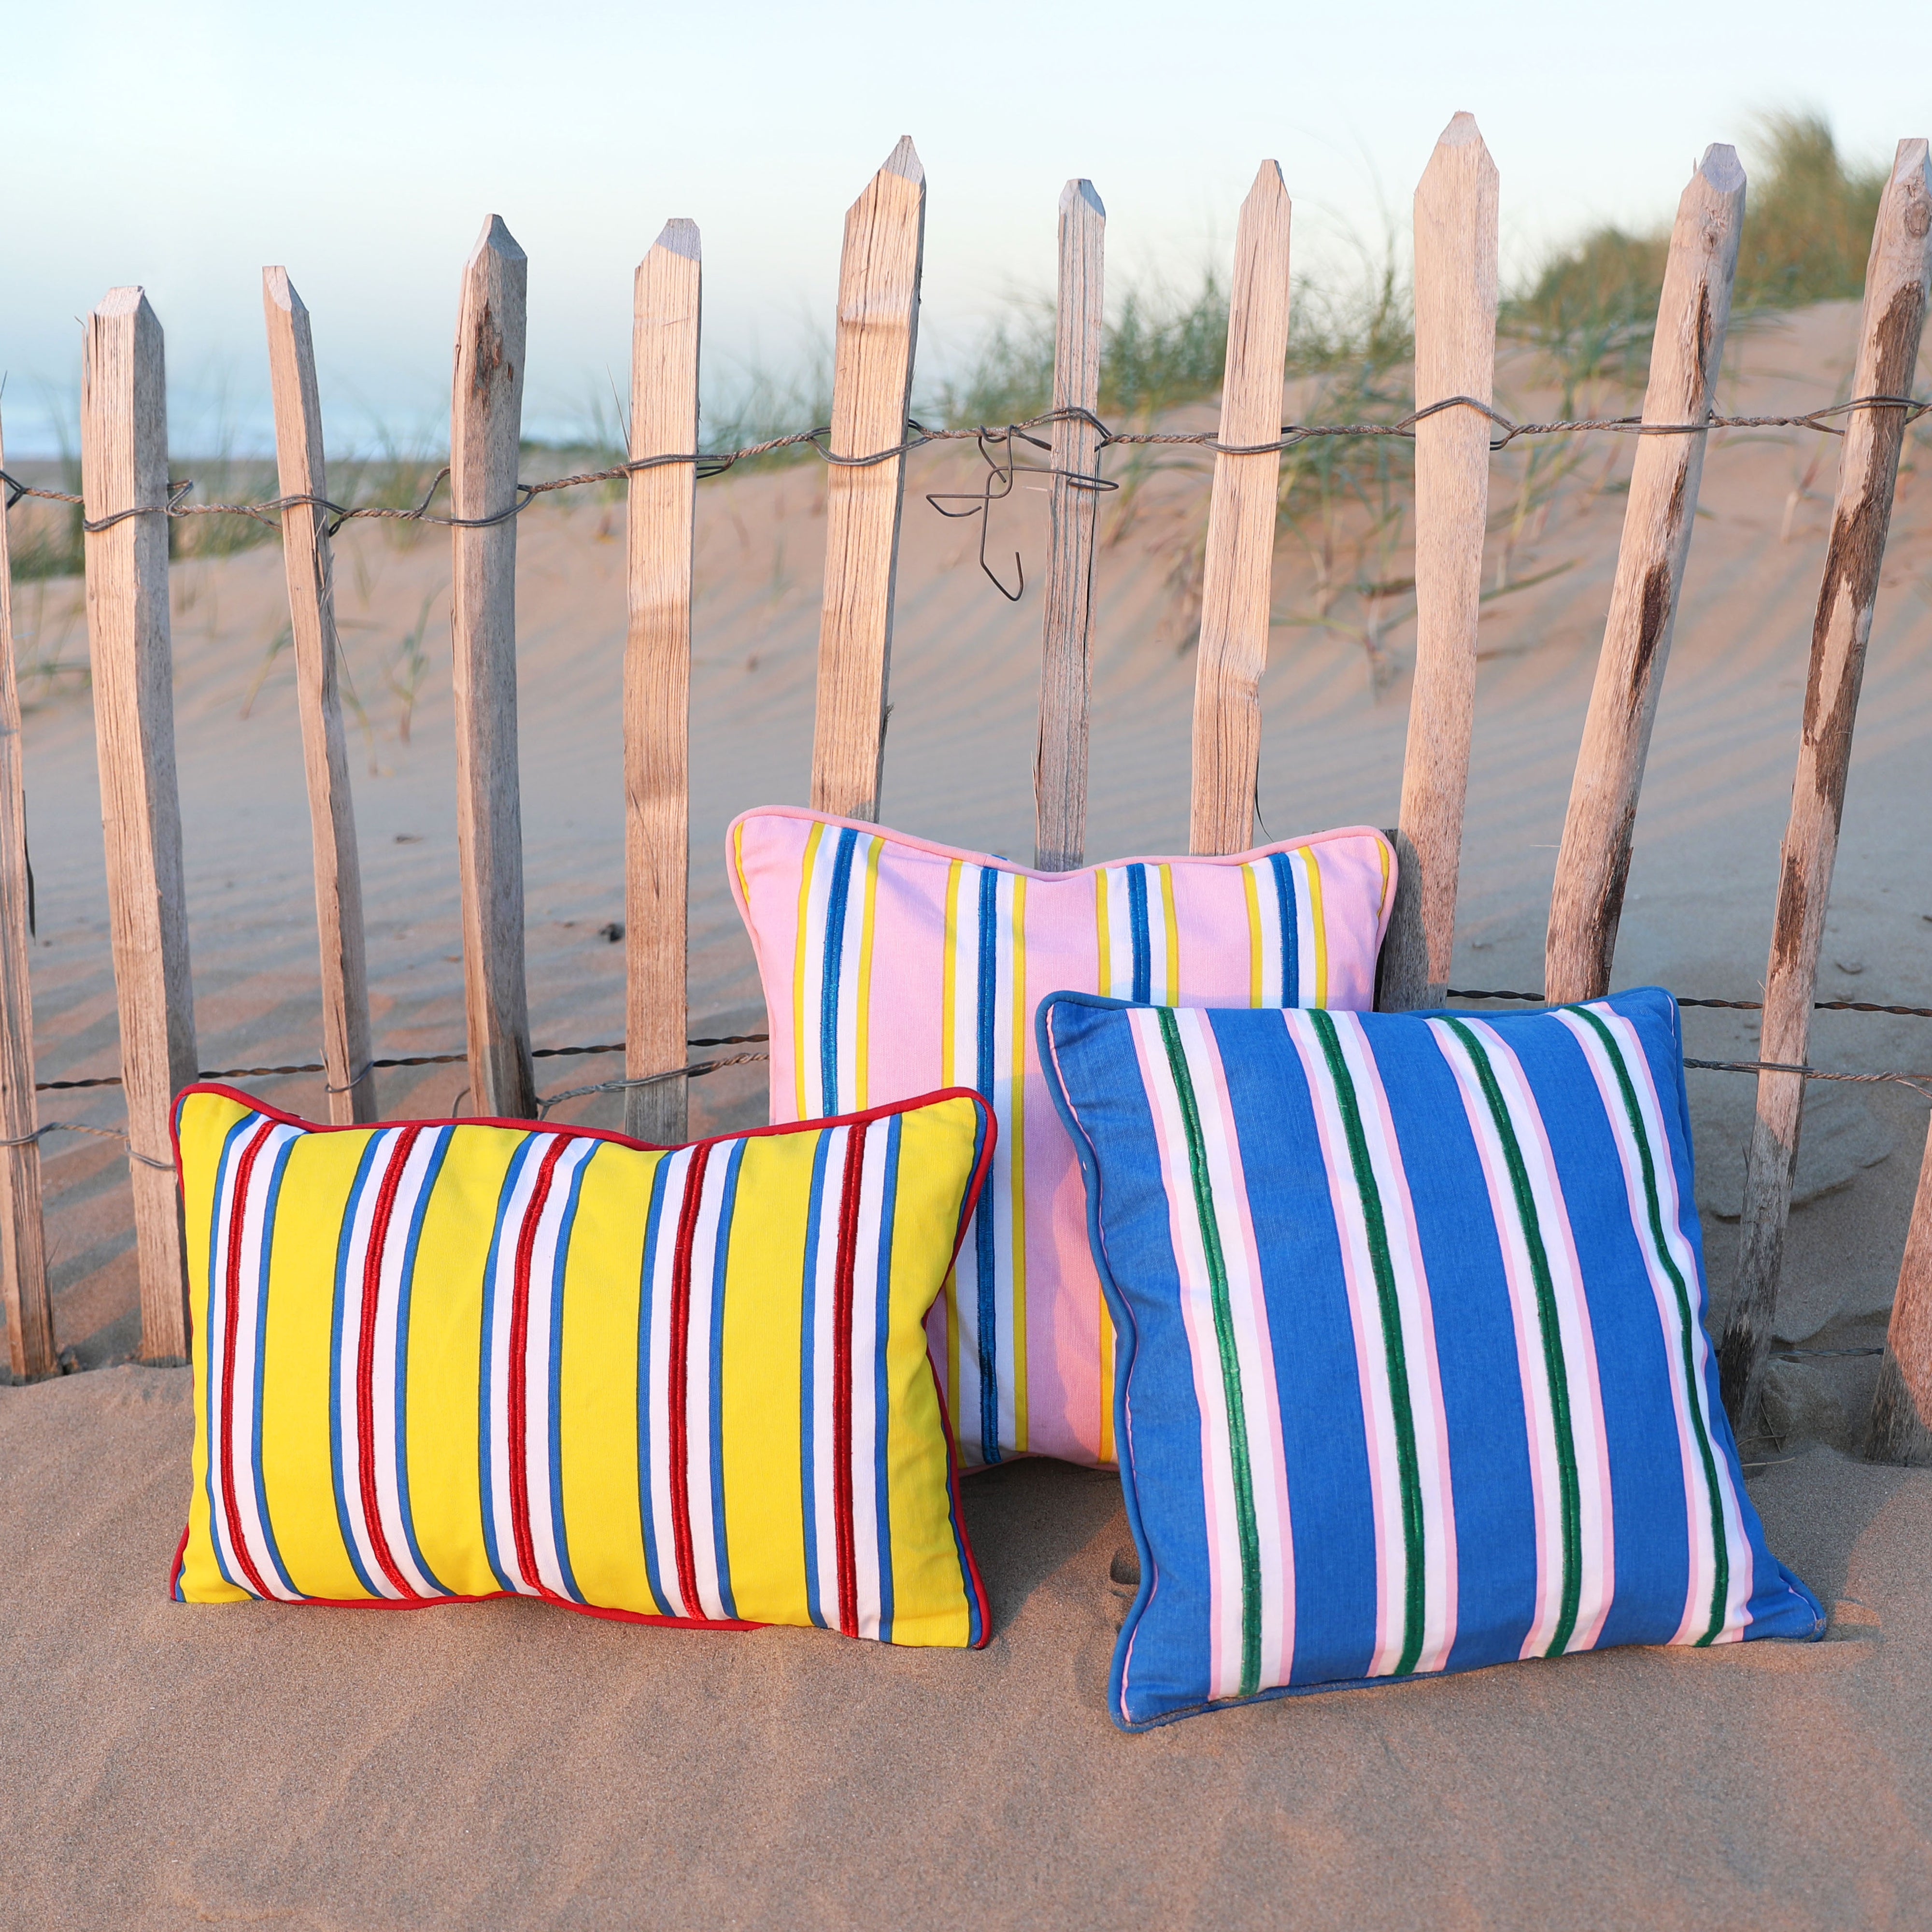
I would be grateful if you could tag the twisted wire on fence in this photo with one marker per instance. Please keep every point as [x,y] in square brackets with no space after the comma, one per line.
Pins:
[716,463]
[1920,1084]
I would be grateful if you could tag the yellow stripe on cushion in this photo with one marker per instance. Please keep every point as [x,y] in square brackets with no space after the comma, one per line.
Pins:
[1103,981]
[1171,916]
[598,1377]
[1254,935]
[1316,924]
[798,967]
[862,1029]
[738,860]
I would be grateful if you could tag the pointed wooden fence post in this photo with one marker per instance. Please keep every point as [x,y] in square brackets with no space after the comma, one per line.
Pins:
[872,389]
[1901,1429]
[1060,764]
[1237,569]
[657,679]
[124,457]
[306,563]
[30,1345]
[1692,316]
[485,425]
[1896,277]
[1456,216]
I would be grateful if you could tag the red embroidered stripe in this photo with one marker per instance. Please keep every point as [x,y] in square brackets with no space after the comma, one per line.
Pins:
[365,1356]
[237,1220]
[842,1382]
[677,1381]
[517,1369]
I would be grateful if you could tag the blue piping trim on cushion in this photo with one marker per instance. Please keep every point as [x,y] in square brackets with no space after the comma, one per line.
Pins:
[1126,1336]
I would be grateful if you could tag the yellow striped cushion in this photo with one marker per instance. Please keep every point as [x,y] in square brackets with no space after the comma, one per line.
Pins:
[444,1361]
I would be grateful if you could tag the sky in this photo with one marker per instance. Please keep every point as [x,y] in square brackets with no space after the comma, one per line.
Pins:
[184,145]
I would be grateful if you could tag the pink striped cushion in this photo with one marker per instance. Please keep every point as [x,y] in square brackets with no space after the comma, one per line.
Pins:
[891,966]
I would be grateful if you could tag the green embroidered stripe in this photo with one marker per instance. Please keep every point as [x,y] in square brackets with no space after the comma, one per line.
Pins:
[1408,1467]
[1720,1589]
[1231,1362]
[1554,1367]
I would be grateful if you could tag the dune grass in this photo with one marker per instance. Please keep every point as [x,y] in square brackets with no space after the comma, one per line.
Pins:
[1591,308]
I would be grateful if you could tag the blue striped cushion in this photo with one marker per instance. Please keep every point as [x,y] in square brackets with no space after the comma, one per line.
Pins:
[1413,1374]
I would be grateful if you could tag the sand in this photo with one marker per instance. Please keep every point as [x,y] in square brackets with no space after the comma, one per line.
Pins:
[508,1763]
[511,1764]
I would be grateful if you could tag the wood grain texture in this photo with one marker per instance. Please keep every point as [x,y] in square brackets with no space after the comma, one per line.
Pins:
[1455,218]
[1059,763]
[308,566]
[31,1344]
[124,459]
[1896,280]
[485,425]
[1899,1430]
[1693,314]
[872,389]
[657,680]
[1237,570]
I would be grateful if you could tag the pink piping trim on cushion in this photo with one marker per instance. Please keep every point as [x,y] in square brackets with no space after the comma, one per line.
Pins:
[950,852]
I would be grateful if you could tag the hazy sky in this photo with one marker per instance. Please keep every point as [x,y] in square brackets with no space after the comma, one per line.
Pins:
[185,145]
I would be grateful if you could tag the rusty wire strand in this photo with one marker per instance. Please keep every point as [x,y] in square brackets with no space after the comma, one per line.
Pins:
[716,463]
[1739,1006]
[404,1060]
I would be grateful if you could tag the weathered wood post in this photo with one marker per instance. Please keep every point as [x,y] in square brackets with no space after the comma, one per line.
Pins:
[123,457]
[307,564]
[1238,565]
[485,425]
[30,1345]
[1455,288]
[657,679]
[1059,763]
[1896,277]
[1692,316]
[872,389]
[1899,1430]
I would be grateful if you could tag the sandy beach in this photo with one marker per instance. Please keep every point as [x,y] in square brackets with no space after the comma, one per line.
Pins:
[507,1763]
[511,1764]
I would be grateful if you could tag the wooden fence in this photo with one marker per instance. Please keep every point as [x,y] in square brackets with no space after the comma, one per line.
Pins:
[125,491]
